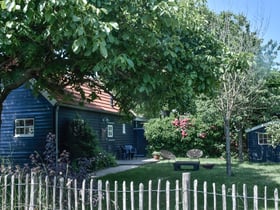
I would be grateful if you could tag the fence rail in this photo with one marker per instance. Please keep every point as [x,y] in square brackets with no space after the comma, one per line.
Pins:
[32,193]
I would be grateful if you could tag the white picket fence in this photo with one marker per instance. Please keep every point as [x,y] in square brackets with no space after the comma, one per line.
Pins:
[32,193]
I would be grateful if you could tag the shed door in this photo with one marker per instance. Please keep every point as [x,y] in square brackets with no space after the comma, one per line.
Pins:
[141,142]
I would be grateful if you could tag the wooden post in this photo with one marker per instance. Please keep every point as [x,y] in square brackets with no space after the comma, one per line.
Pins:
[12,191]
[186,177]
[83,195]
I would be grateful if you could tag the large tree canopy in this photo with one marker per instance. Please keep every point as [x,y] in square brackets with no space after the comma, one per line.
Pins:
[157,52]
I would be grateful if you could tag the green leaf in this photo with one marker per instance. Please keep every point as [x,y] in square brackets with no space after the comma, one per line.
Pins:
[76,46]
[103,49]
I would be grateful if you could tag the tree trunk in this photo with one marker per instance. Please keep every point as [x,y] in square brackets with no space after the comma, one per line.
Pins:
[240,145]
[228,140]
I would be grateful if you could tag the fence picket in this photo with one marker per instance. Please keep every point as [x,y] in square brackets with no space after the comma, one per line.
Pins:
[68,187]
[150,195]
[12,191]
[91,194]
[205,195]
[108,198]
[214,196]
[233,194]
[141,196]
[132,196]
[245,203]
[255,197]
[83,195]
[167,195]
[47,192]
[177,195]
[224,197]
[265,198]
[26,191]
[116,204]
[76,198]
[158,194]
[32,192]
[276,199]
[19,192]
[124,195]
[100,196]
[40,193]
[54,193]
[38,196]
[195,185]
[61,186]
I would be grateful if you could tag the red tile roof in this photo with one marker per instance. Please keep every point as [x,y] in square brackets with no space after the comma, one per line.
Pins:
[102,103]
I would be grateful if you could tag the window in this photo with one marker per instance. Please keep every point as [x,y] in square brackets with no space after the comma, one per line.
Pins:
[123,129]
[110,132]
[24,127]
[264,139]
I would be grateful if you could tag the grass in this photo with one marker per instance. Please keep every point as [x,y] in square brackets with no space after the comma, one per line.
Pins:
[260,174]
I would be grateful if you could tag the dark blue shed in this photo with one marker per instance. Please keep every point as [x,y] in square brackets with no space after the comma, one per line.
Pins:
[259,145]
[27,119]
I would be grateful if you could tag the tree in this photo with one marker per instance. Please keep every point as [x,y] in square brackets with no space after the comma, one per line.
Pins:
[156,53]
[238,80]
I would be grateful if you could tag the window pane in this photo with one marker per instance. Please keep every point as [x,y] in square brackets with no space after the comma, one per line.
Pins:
[29,122]
[19,123]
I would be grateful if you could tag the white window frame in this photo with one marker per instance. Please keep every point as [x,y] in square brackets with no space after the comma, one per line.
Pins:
[263,139]
[24,129]
[123,128]
[110,131]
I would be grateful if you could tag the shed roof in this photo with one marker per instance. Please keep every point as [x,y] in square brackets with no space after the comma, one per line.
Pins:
[261,126]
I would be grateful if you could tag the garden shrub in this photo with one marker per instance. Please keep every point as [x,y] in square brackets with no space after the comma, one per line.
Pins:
[178,135]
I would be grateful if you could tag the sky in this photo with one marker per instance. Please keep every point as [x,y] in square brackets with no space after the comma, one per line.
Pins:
[264,15]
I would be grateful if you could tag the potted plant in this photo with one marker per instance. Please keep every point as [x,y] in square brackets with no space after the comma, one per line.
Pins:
[156,155]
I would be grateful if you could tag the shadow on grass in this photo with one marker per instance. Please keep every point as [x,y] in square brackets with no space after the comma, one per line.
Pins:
[262,175]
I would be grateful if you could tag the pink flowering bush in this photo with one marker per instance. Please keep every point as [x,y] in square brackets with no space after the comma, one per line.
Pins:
[180,134]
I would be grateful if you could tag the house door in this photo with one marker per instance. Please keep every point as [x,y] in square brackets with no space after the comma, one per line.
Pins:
[141,142]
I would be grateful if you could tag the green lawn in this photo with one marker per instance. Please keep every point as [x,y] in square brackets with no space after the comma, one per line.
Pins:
[260,174]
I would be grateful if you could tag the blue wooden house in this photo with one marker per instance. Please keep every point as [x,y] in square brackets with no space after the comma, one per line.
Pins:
[27,119]
[259,145]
